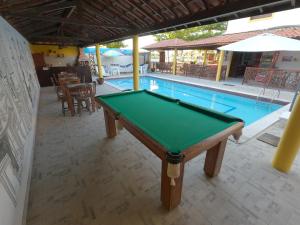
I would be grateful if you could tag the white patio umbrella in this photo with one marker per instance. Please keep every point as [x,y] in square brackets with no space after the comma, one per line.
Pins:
[263,43]
[266,43]
[112,53]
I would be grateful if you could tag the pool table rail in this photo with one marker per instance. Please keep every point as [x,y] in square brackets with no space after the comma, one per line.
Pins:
[196,149]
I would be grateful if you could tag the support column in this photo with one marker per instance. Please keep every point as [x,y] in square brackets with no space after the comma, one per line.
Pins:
[289,144]
[99,64]
[136,62]
[220,63]
[151,66]
[205,58]
[228,64]
[174,61]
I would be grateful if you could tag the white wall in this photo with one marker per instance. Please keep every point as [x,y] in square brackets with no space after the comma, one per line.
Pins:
[121,60]
[57,62]
[294,64]
[283,18]
[19,94]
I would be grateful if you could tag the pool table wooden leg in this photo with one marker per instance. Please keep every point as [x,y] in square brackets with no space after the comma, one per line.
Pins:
[213,159]
[237,136]
[110,124]
[170,195]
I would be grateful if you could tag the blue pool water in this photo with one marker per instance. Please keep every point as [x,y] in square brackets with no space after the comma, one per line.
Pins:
[247,109]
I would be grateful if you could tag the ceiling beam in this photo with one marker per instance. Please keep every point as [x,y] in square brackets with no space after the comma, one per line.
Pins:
[63,20]
[68,15]
[187,11]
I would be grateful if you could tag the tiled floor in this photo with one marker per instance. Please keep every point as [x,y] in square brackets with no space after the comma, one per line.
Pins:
[82,178]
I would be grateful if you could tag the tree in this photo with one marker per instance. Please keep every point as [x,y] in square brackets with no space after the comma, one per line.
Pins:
[194,33]
[116,44]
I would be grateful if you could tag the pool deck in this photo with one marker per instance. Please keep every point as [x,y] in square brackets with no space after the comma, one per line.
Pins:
[81,177]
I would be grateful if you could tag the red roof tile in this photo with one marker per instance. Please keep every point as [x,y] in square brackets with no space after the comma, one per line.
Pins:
[217,41]
[166,44]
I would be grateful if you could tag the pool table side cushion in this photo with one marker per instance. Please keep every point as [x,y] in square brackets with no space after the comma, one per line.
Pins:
[159,119]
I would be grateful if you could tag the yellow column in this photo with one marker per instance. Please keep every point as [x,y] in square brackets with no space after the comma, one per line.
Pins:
[99,64]
[205,58]
[220,63]
[136,63]
[174,61]
[150,58]
[149,61]
[229,64]
[289,144]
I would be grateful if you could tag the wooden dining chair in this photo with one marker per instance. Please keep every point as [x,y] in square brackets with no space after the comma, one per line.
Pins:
[64,99]
[84,96]
[57,86]
[93,94]
[66,96]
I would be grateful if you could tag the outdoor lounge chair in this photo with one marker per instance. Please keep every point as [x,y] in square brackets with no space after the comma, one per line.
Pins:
[105,74]
[143,68]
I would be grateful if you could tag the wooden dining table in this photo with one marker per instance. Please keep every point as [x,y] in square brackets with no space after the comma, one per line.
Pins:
[64,82]
[72,91]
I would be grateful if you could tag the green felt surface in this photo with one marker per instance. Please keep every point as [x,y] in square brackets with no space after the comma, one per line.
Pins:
[173,124]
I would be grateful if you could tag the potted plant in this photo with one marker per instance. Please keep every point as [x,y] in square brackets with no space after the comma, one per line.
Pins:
[100,80]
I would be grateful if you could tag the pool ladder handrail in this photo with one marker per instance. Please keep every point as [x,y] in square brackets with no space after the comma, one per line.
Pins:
[275,94]
[261,93]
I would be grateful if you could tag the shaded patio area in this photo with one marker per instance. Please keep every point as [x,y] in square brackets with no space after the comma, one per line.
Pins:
[81,177]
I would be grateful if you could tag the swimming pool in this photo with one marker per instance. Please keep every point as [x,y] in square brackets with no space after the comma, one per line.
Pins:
[247,109]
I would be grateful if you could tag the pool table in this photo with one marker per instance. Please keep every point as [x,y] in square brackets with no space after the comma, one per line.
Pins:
[174,131]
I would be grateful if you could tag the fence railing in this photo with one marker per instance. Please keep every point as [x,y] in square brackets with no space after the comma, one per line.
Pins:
[163,67]
[191,70]
[274,78]
[208,71]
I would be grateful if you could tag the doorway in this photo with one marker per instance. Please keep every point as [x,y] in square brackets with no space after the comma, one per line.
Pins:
[241,60]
